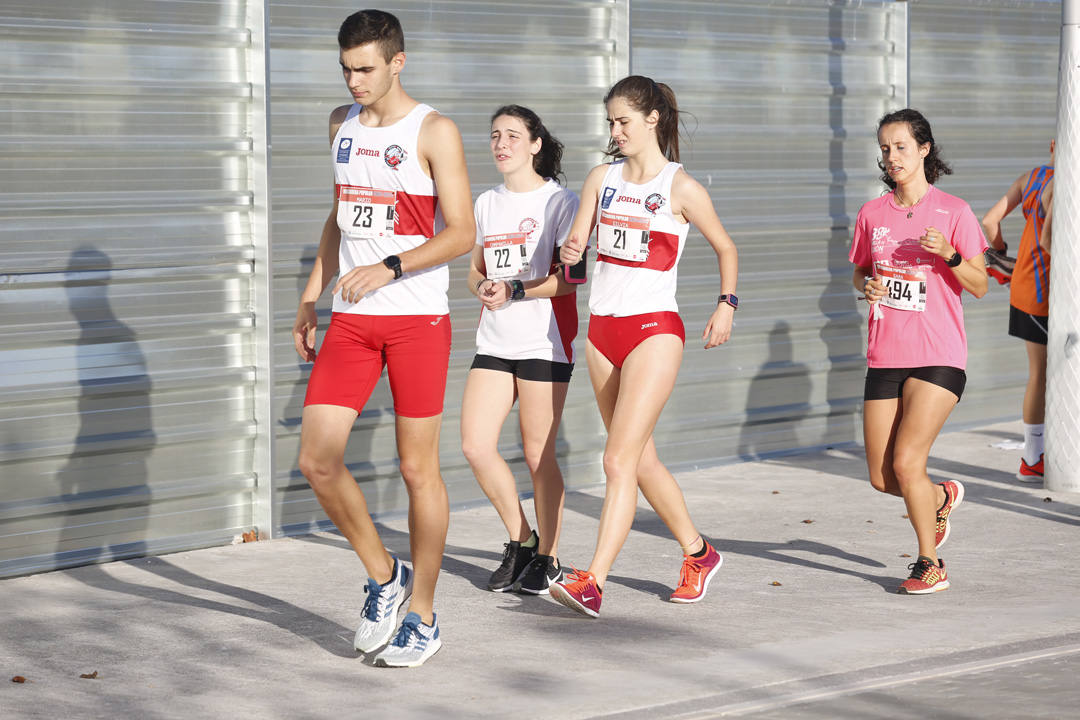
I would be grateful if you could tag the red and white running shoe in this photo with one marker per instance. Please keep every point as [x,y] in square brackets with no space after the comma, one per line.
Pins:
[579,592]
[1031,473]
[696,574]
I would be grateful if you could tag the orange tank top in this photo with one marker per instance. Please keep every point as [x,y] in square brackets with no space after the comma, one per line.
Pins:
[1030,285]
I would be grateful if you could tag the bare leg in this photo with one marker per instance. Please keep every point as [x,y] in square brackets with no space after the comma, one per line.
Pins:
[540,406]
[429,507]
[1035,392]
[881,418]
[648,376]
[489,395]
[323,435]
[926,408]
[665,496]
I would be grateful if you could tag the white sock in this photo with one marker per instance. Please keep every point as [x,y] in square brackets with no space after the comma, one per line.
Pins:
[1033,443]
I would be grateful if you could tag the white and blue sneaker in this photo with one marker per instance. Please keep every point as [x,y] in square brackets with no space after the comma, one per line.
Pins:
[414,643]
[381,608]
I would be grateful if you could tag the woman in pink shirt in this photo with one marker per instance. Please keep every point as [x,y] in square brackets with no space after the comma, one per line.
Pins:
[915,250]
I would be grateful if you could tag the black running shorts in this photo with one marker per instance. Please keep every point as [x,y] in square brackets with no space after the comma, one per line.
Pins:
[1032,328]
[888,383]
[530,369]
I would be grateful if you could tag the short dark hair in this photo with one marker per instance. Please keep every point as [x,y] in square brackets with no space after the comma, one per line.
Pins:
[372,26]
[934,165]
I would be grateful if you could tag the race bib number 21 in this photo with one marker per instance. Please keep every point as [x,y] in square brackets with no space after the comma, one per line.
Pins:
[623,237]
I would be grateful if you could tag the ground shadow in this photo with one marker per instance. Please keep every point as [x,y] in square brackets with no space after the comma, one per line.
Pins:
[781,391]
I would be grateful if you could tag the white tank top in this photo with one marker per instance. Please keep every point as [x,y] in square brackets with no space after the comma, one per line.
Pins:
[387,204]
[639,243]
[520,233]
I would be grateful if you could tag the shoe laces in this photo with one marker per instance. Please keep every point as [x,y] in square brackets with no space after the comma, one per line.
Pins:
[689,572]
[375,601]
[577,580]
[920,568]
[405,634]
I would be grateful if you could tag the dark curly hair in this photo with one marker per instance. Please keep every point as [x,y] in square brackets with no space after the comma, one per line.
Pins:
[548,162]
[934,166]
[645,95]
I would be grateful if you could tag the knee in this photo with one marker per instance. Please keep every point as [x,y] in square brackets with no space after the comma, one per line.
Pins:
[537,457]
[878,483]
[908,470]
[419,473]
[318,471]
[476,452]
[619,468]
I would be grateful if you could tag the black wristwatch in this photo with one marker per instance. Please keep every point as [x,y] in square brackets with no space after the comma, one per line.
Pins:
[954,261]
[730,298]
[394,263]
[517,290]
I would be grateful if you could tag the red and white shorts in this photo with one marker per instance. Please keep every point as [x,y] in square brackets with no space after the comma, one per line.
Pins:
[415,350]
[616,337]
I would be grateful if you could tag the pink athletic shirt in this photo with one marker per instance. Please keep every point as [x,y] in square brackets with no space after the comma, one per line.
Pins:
[921,321]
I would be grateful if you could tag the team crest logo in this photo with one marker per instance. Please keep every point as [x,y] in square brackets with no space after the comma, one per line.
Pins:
[609,195]
[654,202]
[394,156]
[528,226]
[343,150]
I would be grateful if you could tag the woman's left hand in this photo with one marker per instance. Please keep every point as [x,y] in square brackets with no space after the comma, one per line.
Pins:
[718,329]
[934,242]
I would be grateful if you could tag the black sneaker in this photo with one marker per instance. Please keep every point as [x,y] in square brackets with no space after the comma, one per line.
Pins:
[515,560]
[541,573]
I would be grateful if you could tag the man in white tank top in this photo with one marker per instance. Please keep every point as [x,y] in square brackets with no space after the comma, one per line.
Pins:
[402,209]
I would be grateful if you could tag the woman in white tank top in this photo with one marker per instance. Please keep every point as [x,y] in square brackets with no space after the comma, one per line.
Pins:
[641,205]
[524,342]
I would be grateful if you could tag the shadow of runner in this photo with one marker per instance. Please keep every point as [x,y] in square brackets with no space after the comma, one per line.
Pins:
[323,632]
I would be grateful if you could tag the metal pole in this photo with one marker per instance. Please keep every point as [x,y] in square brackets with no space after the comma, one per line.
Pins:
[1062,466]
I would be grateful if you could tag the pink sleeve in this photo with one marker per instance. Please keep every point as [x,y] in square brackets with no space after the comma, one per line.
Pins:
[860,245]
[967,236]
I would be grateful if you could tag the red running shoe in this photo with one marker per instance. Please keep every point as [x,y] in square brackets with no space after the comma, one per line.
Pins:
[1031,473]
[926,578]
[954,495]
[578,591]
[696,574]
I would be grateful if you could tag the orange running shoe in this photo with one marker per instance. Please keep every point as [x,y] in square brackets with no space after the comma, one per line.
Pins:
[954,495]
[696,574]
[579,592]
[1031,473]
[926,577]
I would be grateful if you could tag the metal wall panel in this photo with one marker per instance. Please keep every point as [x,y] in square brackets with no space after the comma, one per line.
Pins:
[985,74]
[465,59]
[779,103]
[126,418]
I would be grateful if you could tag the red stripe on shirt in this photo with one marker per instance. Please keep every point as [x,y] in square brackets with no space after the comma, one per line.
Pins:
[415,214]
[663,252]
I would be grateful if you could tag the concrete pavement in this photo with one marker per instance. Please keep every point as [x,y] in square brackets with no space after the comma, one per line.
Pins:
[802,621]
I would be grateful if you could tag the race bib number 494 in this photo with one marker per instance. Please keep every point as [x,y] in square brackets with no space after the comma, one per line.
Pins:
[505,255]
[366,213]
[905,288]
[623,236]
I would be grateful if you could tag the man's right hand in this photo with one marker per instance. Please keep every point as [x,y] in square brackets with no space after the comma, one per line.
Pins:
[304,331]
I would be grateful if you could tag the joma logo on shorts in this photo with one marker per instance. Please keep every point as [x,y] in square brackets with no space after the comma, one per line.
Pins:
[649,325]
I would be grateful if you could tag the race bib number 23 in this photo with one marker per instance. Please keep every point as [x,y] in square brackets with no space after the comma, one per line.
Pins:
[366,213]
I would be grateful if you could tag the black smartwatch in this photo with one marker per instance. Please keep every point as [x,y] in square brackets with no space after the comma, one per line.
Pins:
[955,260]
[729,298]
[394,263]
[517,290]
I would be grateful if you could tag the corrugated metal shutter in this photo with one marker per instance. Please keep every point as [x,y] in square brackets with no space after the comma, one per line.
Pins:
[125,247]
[985,74]
[781,100]
[465,60]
